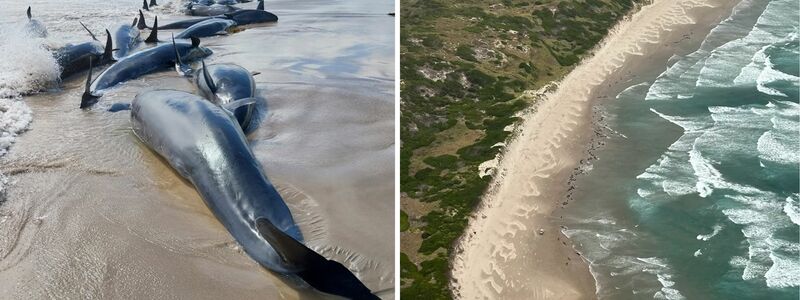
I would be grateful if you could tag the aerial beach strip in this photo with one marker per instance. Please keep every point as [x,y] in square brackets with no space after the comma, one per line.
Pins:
[513,247]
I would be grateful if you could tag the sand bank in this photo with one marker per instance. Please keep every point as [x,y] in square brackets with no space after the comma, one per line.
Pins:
[502,254]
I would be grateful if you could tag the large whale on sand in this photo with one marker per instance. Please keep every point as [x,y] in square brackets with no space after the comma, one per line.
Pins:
[76,58]
[34,27]
[203,143]
[206,28]
[252,16]
[209,10]
[139,64]
[225,83]
[126,37]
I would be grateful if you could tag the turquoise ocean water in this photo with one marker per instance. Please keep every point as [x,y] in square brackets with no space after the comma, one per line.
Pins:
[696,194]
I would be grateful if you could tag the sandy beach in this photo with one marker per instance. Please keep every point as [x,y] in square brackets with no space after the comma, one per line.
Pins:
[513,247]
[92,213]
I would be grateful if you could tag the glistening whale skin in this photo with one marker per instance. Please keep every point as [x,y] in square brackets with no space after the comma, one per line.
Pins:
[206,28]
[126,37]
[223,84]
[183,24]
[139,64]
[203,143]
[252,16]
[210,10]
[80,57]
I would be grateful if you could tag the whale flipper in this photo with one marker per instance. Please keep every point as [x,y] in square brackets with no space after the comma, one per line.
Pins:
[153,37]
[142,23]
[183,70]
[89,31]
[135,20]
[209,81]
[244,116]
[325,275]
[87,100]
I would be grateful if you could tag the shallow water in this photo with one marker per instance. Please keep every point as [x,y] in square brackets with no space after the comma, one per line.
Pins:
[697,197]
[90,212]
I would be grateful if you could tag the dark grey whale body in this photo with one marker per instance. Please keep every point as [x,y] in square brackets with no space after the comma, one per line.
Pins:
[203,143]
[223,84]
[141,63]
[126,38]
[210,10]
[34,27]
[183,24]
[77,58]
[206,28]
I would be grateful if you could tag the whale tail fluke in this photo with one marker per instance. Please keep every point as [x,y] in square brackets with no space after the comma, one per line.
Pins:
[153,38]
[142,22]
[108,53]
[144,5]
[29,13]
[88,99]
[260,5]
[325,275]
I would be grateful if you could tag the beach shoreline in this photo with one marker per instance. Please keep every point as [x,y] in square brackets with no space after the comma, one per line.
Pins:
[514,248]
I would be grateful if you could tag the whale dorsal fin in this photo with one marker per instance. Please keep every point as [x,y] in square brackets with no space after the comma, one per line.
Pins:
[195,42]
[144,5]
[142,22]
[29,12]
[153,3]
[260,5]
[208,79]
[88,99]
[89,31]
[108,53]
[153,38]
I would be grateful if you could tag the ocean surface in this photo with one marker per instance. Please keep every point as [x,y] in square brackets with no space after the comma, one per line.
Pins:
[89,212]
[695,195]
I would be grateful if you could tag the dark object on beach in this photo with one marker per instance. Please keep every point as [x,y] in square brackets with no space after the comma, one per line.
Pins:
[141,24]
[119,106]
[153,37]
[391,14]
[204,144]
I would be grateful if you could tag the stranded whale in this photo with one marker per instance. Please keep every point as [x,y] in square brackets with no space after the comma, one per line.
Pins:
[203,143]
[225,83]
[139,64]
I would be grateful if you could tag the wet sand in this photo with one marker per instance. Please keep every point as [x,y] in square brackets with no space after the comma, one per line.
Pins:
[502,254]
[92,213]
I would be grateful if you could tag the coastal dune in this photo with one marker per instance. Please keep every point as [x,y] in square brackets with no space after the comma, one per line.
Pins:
[513,248]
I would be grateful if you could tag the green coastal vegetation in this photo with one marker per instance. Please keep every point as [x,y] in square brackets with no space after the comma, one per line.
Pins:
[464,67]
